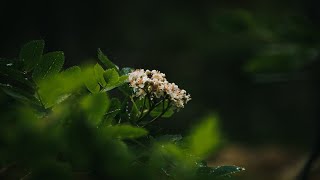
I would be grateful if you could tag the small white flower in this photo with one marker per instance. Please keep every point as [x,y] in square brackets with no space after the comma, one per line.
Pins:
[156,85]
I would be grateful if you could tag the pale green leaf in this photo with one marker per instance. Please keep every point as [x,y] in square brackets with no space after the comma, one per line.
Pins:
[124,132]
[205,137]
[57,88]
[98,71]
[95,107]
[90,80]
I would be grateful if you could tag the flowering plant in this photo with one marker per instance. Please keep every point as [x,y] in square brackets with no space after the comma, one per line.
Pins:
[67,124]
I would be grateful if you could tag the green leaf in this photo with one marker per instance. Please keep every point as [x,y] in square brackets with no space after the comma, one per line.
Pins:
[95,107]
[218,172]
[121,81]
[111,76]
[115,107]
[205,137]
[98,71]
[58,88]
[126,89]
[124,132]
[31,54]
[159,110]
[50,64]
[11,63]
[113,80]
[19,94]
[105,60]
[170,138]
[14,77]
[90,80]
[126,71]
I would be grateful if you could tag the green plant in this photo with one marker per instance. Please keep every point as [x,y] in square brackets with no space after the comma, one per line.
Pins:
[94,122]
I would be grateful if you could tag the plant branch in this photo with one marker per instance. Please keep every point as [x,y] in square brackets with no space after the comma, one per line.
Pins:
[164,110]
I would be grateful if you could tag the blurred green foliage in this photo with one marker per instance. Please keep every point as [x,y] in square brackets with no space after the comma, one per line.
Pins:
[68,124]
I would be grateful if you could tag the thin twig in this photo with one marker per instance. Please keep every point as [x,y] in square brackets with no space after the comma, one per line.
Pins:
[159,116]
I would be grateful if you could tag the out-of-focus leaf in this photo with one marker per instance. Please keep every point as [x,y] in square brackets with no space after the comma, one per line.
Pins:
[218,172]
[205,137]
[57,88]
[31,54]
[105,60]
[98,70]
[50,64]
[95,106]
[124,132]
[280,58]
[90,80]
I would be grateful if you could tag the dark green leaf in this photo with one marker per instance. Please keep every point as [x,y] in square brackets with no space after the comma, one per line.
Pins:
[14,77]
[170,138]
[115,107]
[159,110]
[31,54]
[19,94]
[11,63]
[126,89]
[50,64]
[219,172]
[105,60]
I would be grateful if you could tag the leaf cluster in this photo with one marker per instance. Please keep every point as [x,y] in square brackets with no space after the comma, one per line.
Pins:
[68,124]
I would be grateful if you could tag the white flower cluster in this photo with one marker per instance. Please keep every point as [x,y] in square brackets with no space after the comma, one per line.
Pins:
[155,84]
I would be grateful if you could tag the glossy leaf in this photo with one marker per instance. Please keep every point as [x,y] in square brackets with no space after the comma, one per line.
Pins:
[50,64]
[105,60]
[219,172]
[31,53]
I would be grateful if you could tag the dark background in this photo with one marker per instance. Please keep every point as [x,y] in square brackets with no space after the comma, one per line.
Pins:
[250,61]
